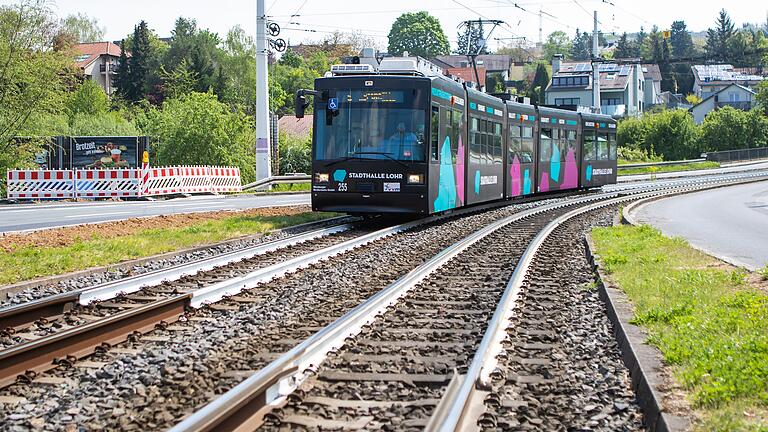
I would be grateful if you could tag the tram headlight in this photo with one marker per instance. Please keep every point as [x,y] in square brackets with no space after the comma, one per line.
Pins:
[322,177]
[415,178]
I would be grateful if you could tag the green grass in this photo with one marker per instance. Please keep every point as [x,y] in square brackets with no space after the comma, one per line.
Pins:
[764,272]
[670,168]
[710,325]
[31,262]
[291,187]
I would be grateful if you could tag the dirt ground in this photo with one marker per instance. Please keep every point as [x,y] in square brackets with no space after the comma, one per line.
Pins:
[66,236]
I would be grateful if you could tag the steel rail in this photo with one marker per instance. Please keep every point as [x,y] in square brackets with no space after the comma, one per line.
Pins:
[29,312]
[238,408]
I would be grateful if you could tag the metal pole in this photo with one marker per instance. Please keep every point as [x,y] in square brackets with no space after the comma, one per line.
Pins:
[595,69]
[263,166]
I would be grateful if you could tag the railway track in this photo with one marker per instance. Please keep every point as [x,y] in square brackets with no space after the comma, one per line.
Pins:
[177,308]
[424,352]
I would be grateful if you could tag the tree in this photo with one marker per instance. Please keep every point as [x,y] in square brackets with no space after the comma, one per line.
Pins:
[728,128]
[672,134]
[83,28]
[581,47]
[639,42]
[681,41]
[89,99]
[557,43]
[132,75]
[33,76]
[624,48]
[762,96]
[198,129]
[418,33]
[540,83]
[717,38]
[472,41]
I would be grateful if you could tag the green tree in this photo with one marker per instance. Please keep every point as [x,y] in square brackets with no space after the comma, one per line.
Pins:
[624,48]
[132,79]
[539,84]
[33,76]
[630,133]
[681,41]
[103,123]
[295,154]
[290,58]
[418,33]
[717,37]
[762,96]
[89,99]
[472,40]
[83,28]
[557,43]
[197,129]
[581,47]
[672,134]
[729,128]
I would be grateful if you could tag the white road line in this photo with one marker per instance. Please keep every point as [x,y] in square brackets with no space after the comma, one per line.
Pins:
[95,214]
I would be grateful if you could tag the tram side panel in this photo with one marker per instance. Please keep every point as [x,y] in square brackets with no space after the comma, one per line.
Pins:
[447,158]
[485,174]
[599,158]
[559,152]
[521,151]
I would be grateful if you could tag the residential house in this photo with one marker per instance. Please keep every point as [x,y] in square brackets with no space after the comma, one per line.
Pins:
[710,79]
[733,95]
[652,86]
[493,63]
[468,74]
[622,87]
[99,61]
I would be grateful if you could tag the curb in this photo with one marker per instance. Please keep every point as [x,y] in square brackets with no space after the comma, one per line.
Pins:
[642,360]
[49,280]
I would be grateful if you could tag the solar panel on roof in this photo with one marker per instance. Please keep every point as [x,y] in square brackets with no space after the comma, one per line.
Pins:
[624,71]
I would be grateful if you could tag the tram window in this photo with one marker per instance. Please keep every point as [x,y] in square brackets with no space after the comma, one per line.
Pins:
[545,150]
[589,146]
[455,131]
[602,146]
[475,146]
[435,133]
[526,155]
[612,146]
[514,143]
[571,135]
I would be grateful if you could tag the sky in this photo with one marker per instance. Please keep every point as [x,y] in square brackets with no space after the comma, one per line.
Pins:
[311,20]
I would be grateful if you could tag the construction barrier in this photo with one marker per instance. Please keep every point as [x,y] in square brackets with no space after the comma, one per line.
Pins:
[40,184]
[122,183]
[117,183]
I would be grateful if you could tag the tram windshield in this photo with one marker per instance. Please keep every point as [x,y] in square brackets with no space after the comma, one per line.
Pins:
[371,124]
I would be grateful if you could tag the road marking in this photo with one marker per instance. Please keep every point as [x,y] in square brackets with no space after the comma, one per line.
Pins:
[95,214]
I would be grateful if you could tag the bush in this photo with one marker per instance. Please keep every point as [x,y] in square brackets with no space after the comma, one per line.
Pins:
[197,129]
[103,124]
[295,154]
[728,128]
[672,134]
[636,155]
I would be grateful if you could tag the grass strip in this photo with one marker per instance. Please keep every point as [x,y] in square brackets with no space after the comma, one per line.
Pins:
[669,168]
[707,321]
[31,262]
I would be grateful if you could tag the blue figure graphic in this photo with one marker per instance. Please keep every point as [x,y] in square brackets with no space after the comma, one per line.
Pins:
[554,164]
[477,182]
[527,182]
[446,188]
[589,172]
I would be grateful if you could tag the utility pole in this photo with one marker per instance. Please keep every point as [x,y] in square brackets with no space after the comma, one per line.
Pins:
[595,69]
[263,161]
[541,31]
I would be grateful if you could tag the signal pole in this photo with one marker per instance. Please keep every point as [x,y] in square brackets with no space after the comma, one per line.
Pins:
[263,161]
[595,69]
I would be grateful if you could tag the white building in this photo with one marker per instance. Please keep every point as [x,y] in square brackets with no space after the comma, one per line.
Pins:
[710,79]
[99,62]
[733,95]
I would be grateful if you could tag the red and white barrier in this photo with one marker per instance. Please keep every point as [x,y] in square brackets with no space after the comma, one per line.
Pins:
[117,183]
[122,183]
[40,184]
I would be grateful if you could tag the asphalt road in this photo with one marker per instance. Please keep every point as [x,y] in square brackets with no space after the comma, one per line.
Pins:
[730,223]
[40,216]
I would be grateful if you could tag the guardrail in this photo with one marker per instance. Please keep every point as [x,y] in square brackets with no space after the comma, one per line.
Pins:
[738,155]
[275,180]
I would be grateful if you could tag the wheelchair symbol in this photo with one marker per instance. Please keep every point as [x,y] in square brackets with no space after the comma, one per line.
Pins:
[333,104]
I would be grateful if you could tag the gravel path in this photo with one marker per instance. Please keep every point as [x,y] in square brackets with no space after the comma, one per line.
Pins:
[152,382]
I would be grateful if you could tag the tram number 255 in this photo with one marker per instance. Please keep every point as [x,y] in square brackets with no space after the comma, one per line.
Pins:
[342,187]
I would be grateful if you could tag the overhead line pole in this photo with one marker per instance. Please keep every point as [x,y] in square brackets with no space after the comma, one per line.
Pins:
[595,69]
[263,160]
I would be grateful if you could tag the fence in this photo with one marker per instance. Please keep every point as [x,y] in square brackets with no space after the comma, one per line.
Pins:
[738,155]
[121,183]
